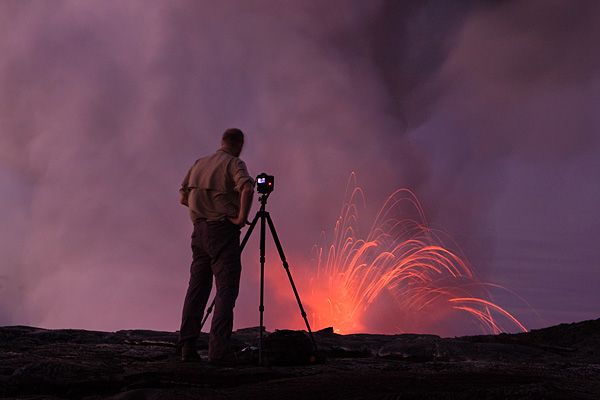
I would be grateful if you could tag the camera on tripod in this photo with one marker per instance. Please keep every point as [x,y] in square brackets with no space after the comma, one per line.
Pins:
[265,183]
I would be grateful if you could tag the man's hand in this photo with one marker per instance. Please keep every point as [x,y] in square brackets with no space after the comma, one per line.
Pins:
[241,222]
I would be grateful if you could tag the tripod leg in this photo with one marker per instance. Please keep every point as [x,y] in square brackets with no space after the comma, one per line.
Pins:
[289,274]
[242,245]
[208,311]
[261,307]
[249,231]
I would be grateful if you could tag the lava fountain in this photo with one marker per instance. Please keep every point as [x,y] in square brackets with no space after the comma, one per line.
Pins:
[403,260]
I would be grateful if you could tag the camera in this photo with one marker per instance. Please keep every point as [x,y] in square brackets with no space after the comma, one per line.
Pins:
[265,183]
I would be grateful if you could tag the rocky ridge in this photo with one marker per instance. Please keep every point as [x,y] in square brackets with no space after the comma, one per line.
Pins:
[555,363]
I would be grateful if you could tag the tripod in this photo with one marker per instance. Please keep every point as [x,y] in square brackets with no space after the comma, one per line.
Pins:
[265,218]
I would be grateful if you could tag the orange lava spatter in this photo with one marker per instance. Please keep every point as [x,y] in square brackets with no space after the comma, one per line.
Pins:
[406,261]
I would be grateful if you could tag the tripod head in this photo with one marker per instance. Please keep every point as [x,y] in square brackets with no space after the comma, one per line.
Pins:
[263,200]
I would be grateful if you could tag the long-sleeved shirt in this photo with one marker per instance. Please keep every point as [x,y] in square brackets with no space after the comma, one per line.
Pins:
[214,184]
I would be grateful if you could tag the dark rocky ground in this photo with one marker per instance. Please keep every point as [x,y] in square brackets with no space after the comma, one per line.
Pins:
[561,362]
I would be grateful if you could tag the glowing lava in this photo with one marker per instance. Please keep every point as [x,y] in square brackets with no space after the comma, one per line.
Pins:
[401,259]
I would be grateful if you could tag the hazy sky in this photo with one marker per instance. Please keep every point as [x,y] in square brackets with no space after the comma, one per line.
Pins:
[488,110]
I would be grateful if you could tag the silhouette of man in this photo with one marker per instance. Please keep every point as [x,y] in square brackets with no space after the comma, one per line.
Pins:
[218,192]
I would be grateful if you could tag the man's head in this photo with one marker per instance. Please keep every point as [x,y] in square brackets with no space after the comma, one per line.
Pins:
[233,141]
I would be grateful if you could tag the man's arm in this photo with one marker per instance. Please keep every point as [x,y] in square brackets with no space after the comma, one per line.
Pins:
[244,185]
[246,195]
[183,196]
[184,190]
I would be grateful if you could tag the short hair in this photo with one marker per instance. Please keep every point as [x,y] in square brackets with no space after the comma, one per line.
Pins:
[233,136]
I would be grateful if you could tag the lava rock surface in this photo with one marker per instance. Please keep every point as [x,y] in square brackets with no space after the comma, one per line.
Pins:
[560,362]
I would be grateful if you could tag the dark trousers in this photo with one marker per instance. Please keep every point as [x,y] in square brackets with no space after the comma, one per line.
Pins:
[216,252]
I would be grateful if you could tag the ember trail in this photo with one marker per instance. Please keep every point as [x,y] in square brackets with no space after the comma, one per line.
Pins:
[403,259]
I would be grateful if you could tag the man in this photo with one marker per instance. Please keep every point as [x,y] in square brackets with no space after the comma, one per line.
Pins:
[218,191]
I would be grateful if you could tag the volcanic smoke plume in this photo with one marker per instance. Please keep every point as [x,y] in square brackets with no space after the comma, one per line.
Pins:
[484,110]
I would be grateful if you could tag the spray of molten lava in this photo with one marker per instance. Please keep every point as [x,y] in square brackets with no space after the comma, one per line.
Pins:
[405,262]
